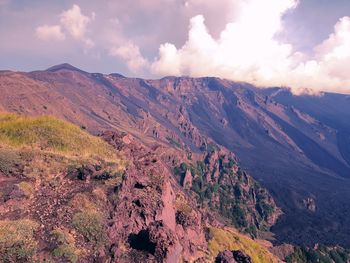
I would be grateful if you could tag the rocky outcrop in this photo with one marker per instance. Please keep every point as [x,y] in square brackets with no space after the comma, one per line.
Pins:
[187,180]
[147,214]
[218,183]
[235,256]
[310,204]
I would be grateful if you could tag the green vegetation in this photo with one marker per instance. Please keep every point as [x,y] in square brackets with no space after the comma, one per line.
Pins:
[82,202]
[88,221]
[210,147]
[90,225]
[222,239]
[67,252]
[173,142]
[50,134]
[43,147]
[17,241]
[320,254]
[65,246]
[222,186]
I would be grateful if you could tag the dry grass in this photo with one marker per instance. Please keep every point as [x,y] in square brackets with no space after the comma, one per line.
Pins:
[17,243]
[232,240]
[51,134]
[47,146]
[182,205]
[88,221]
[81,202]
[27,188]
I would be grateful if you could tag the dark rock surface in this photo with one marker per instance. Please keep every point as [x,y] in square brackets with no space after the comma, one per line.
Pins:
[235,256]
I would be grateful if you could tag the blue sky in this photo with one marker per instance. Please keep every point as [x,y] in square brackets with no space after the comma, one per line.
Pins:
[236,39]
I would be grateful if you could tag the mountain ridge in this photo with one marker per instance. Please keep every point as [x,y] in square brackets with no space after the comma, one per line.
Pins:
[292,150]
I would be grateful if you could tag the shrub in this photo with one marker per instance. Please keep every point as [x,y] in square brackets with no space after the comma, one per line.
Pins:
[17,241]
[62,236]
[67,252]
[180,170]
[65,246]
[90,225]
[264,209]
[238,216]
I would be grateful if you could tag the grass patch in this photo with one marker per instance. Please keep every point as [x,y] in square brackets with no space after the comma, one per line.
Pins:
[17,241]
[43,147]
[67,252]
[65,246]
[229,239]
[88,221]
[27,188]
[91,225]
[82,203]
[51,134]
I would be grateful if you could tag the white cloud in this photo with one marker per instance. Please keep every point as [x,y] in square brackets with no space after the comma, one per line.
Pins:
[48,33]
[247,50]
[132,55]
[75,22]
[328,71]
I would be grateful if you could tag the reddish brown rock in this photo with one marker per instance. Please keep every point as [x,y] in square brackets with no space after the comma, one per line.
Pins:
[145,212]
[187,181]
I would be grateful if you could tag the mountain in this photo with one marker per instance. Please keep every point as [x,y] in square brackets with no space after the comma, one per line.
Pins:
[295,146]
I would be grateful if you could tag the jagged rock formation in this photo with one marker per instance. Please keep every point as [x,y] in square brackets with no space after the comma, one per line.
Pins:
[219,184]
[148,211]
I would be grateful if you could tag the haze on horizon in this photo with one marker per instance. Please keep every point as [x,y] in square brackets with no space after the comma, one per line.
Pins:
[301,44]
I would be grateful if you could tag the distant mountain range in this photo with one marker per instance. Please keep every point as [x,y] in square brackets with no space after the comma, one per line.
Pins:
[298,147]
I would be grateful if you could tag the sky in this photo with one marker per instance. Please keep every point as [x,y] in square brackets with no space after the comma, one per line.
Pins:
[301,44]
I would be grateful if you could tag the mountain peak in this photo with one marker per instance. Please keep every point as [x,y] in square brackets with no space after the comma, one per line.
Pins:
[117,75]
[64,66]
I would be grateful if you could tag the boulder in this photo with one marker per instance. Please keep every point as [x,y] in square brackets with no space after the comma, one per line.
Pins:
[235,256]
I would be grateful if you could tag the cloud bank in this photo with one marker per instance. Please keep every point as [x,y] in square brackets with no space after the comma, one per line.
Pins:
[73,22]
[248,50]
[233,39]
